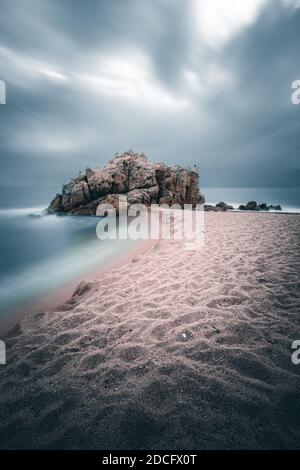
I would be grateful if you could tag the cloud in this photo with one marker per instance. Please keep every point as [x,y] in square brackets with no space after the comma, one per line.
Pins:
[219,21]
[129,77]
[187,82]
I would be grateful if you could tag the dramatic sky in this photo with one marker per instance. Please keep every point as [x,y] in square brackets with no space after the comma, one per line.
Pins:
[185,81]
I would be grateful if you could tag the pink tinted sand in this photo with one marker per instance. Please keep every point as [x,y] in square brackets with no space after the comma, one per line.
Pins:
[174,349]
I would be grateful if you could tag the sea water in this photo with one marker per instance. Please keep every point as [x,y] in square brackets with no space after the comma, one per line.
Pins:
[41,252]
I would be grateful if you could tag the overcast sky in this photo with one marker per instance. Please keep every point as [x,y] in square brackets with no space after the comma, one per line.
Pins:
[193,81]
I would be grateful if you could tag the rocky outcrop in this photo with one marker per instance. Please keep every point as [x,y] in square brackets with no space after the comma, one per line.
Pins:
[253,206]
[129,174]
[220,207]
[223,206]
[274,208]
[250,206]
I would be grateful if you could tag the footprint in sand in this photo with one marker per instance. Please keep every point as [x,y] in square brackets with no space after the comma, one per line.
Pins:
[131,353]
[156,313]
[225,302]
[92,361]
[227,340]
[159,332]
[65,338]
[41,356]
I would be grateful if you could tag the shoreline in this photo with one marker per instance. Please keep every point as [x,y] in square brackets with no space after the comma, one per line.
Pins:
[50,301]
[58,296]
[161,352]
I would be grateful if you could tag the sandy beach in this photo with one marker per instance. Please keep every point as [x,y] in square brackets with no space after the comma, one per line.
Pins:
[175,349]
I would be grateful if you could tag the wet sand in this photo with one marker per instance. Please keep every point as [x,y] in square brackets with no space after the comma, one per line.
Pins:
[55,297]
[174,349]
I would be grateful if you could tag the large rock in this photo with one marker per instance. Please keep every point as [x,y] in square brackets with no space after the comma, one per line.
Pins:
[128,174]
[251,206]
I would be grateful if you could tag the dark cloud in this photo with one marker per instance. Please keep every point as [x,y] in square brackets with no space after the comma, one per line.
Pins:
[88,79]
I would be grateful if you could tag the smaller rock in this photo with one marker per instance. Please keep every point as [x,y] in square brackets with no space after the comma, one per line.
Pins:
[210,208]
[263,207]
[82,288]
[222,205]
[251,206]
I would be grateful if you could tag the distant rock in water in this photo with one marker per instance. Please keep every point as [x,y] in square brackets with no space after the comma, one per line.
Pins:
[224,207]
[129,174]
[253,206]
[220,207]
[250,206]
[275,208]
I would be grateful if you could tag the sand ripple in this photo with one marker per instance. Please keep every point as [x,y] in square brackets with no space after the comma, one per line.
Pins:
[174,350]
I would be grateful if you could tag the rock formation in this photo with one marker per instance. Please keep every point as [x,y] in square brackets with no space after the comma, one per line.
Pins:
[220,207]
[250,206]
[253,206]
[223,206]
[129,174]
